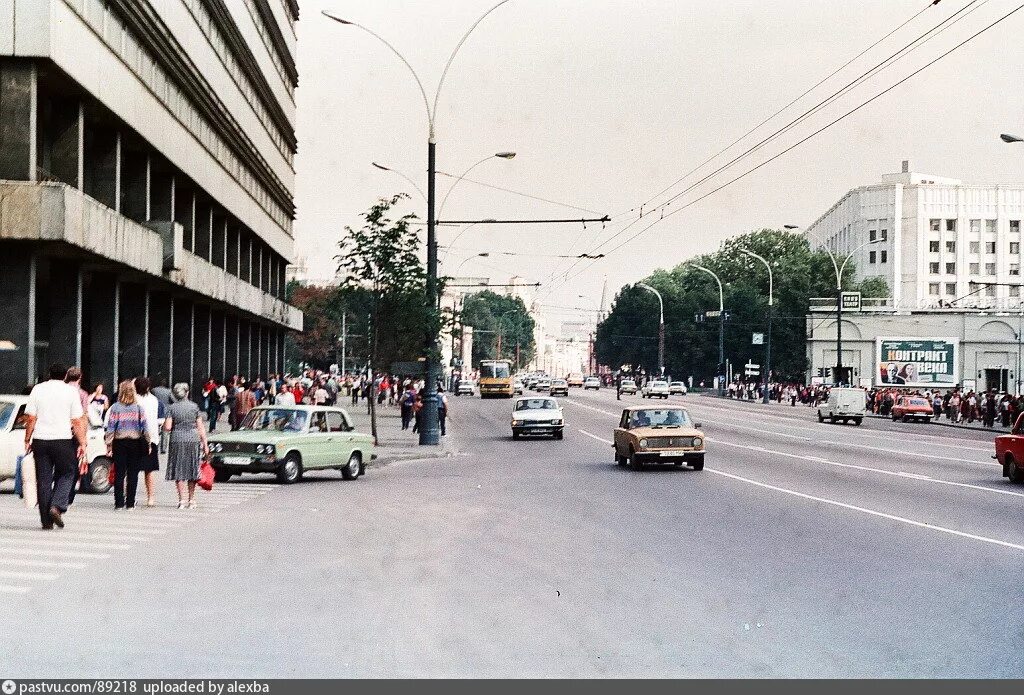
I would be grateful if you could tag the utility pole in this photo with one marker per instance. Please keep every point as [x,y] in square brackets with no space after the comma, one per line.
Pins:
[721,325]
[344,342]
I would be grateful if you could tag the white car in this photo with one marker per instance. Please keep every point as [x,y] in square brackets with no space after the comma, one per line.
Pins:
[677,388]
[537,415]
[12,445]
[517,387]
[655,389]
[591,382]
[559,387]
[627,386]
[542,385]
[464,387]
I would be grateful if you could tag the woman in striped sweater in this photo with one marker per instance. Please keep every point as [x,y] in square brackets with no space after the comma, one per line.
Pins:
[127,437]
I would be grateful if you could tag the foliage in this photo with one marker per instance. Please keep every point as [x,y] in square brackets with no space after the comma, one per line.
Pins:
[491,314]
[628,335]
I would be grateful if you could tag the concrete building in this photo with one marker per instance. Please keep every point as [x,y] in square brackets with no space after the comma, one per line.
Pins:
[940,241]
[146,187]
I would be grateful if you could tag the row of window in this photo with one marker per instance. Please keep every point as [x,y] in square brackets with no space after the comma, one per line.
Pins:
[949,225]
[269,45]
[881,257]
[974,247]
[935,288]
[974,268]
[108,26]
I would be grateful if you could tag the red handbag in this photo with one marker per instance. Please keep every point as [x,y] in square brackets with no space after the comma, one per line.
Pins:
[205,476]
[111,475]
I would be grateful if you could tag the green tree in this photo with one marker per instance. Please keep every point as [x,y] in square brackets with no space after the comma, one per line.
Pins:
[492,315]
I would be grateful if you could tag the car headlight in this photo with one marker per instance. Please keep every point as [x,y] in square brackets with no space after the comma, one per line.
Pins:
[698,442]
[261,449]
[517,423]
[643,443]
[556,422]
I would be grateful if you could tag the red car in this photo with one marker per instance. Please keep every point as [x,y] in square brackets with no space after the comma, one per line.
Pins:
[907,408]
[1010,452]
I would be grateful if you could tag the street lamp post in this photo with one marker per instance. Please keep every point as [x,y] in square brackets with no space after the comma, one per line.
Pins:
[721,328]
[768,343]
[430,433]
[661,326]
[591,357]
[1010,139]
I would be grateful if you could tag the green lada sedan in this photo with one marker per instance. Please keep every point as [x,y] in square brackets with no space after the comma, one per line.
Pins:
[288,440]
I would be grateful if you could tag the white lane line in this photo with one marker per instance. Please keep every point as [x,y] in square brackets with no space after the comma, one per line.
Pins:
[6,589]
[57,543]
[39,576]
[18,562]
[869,469]
[74,535]
[51,552]
[871,512]
[594,436]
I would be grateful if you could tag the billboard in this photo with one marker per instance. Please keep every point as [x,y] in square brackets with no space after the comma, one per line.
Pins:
[917,362]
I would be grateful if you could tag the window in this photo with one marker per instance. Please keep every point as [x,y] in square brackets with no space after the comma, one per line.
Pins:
[335,422]
[975,247]
[990,269]
[950,225]
[933,268]
[1015,269]
[1015,248]
[990,291]
[951,289]
[990,226]
[933,289]
[951,269]
[933,246]
[872,235]
[318,423]
[975,226]
[950,247]
[1015,291]
[934,225]
[883,234]
[883,256]
[1014,226]
[990,247]
[871,257]
[975,268]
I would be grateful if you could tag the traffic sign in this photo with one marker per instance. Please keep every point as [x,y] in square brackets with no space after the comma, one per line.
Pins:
[751,369]
[712,314]
[758,339]
[851,301]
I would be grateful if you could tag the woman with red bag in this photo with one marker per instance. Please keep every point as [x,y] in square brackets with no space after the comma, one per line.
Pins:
[186,447]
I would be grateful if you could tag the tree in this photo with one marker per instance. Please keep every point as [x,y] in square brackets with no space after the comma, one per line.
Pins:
[494,315]
[628,335]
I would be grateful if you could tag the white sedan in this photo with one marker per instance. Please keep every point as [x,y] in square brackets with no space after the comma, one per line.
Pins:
[655,389]
[537,415]
[464,387]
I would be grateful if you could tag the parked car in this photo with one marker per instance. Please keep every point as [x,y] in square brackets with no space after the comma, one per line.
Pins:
[655,389]
[844,404]
[1010,452]
[290,440]
[658,435]
[12,445]
[677,388]
[464,387]
[559,387]
[591,382]
[627,386]
[575,380]
[907,408]
[537,415]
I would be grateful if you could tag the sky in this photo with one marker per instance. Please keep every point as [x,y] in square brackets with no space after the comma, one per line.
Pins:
[608,102]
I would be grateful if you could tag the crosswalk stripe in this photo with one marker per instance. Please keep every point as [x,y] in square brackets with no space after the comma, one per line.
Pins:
[18,562]
[43,576]
[77,535]
[97,525]
[68,544]
[57,552]
[132,517]
[5,589]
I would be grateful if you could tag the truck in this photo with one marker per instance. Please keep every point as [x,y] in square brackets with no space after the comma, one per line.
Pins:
[844,404]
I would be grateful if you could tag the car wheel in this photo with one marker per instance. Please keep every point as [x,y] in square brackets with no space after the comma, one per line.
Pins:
[906,419]
[634,462]
[1014,472]
[558,435]
[98,479]
[832,419]
[927,420]
[821,418]
[515,435]
[620,460]
[857,421]
[698,464]
[350,471]
[221,476]
[290,470]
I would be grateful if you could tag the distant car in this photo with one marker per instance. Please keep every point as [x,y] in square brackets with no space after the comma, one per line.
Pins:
[537,415]
[12,445]
[627,386]
[464,387]
[655,389]
[677,388]
[517,387]
[542,385]
[559,387]
[1010,452]
[575,380]
[844,404]
[289,440]
[591,382]
[658,435]
[907,408]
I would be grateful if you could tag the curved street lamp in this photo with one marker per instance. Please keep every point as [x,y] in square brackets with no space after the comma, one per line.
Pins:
[768,344]
[429,433]
[721,329]
[661,326]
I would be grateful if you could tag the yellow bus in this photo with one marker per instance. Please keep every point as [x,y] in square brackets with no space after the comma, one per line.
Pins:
[496,378]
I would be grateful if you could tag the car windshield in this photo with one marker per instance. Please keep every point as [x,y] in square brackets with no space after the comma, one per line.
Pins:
[275,419]
[7,410]
[560,382]
[494,371]
[659,417]
[658,384]
[536,404]
[628,382]
[918,401]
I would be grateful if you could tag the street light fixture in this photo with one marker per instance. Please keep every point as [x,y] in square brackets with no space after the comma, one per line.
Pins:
[721,329]
[768,344]
[1007,138]
[661,326]
[429,432]
[396,171]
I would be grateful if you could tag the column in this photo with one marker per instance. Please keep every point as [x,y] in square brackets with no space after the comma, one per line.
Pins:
[17,323]
[18,119]
[217,367]
[158,366]
[134,330]
[63,306]
[247,348]
[102,307]
[183,351]
[230,345]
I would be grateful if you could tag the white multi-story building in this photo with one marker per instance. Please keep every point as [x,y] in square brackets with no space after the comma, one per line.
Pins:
[939,242]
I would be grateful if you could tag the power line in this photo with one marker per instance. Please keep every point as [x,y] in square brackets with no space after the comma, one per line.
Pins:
[521,194]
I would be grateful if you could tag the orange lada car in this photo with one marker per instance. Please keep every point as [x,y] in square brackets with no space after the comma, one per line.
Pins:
[658,435]
[907,408]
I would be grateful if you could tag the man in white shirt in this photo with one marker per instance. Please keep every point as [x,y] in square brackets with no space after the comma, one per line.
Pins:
[286,397]
[53,425]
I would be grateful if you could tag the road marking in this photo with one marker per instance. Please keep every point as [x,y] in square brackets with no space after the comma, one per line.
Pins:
[594,436]
[869,469]
[75,554]
[5,589]
[41,576]
[69,544]
[73,535]
[18,562]
[871,512]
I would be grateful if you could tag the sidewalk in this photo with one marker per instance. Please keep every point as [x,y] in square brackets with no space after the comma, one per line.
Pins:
[393,444]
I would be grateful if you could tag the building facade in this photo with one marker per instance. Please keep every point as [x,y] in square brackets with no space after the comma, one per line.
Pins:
[938,242]
[146,187]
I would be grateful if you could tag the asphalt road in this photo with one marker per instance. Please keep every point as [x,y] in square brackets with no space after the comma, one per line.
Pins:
[801,550]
